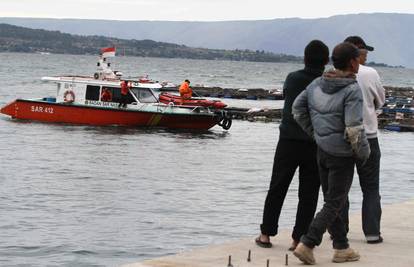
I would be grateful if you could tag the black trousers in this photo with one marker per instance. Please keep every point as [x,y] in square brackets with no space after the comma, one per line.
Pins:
[369,182]
[124,101]
[336,175]
[291,154]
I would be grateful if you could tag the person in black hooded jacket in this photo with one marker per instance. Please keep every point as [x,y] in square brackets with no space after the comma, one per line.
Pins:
[294,149]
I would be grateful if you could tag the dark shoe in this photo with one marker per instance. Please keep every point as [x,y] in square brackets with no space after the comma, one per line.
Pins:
[344,255]
[375,241]
[262,244]
[293,245]
[304,253]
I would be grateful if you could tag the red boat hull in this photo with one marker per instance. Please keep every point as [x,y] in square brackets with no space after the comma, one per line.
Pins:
[101,116]
[167,98]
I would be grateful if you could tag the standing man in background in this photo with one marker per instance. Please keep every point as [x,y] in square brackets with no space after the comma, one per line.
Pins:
[124,94]
[374,98]
[295,149]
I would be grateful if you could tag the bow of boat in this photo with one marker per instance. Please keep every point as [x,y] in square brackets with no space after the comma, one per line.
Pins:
[10,109]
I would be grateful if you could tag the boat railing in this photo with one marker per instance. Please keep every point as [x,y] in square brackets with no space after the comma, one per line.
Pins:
[196,109]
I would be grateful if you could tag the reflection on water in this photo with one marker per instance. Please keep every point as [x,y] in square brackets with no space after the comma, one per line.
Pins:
[73,195]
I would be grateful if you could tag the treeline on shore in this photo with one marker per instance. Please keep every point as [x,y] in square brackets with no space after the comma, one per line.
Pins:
[20,39]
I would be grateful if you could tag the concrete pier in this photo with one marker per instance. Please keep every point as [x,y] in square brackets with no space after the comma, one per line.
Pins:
[397,250]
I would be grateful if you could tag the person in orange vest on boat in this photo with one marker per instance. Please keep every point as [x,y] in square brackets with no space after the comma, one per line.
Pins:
[185,90]
[106,95]
[124,94]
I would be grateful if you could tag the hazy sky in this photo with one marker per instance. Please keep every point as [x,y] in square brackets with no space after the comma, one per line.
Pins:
[199,10]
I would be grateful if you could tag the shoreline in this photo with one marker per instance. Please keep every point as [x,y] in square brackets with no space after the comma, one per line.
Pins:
[397,223]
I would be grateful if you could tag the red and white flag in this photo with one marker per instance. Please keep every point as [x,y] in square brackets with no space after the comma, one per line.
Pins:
[108,52]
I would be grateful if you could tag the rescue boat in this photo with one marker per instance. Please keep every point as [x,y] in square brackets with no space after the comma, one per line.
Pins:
[168,98]
[95,100]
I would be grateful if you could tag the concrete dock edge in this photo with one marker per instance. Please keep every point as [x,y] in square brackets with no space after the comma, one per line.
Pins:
[397,250]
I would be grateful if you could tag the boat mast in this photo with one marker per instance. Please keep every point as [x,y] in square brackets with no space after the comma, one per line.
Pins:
[104,70]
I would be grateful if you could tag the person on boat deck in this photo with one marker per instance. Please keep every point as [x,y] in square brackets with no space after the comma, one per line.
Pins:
[292,138]
[106,95]
[185,90]
[124,94]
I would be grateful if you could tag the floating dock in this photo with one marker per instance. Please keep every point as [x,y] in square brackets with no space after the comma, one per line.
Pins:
[236,93]
[397,249]
[393,119]
[269,94]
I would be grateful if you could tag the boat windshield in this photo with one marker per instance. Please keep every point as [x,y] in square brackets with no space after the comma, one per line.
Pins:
[144,95]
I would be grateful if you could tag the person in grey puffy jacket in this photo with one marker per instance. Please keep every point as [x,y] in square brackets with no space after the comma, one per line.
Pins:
[330,110]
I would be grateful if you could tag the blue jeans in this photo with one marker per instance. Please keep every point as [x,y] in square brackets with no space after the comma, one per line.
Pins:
[336,174]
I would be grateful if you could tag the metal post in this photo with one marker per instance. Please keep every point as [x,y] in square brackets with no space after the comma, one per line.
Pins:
[229,265]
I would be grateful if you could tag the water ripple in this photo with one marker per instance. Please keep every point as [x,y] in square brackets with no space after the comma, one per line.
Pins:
[74,195]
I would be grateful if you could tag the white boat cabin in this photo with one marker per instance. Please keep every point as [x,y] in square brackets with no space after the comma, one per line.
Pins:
[103,89]
[90,91]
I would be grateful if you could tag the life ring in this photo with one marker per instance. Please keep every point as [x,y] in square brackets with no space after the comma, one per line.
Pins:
[96,76]
[69,96]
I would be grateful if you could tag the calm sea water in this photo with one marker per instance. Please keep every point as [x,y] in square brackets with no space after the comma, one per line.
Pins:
[106,196]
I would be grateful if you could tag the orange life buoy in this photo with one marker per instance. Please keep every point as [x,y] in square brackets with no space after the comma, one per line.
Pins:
[69,96]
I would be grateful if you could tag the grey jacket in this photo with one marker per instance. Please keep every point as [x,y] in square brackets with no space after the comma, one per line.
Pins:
[330,110]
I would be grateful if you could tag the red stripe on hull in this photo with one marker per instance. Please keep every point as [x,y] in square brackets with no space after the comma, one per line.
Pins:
[63,113]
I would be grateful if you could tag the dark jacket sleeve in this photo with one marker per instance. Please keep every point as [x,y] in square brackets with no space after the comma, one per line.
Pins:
[301,114]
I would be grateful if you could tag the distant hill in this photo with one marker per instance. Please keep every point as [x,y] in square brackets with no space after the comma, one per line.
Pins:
[20,39]
[392,35]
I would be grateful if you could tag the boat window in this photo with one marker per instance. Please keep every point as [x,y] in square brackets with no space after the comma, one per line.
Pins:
[144,95]
[116,95]
[106,94]
[92,92]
